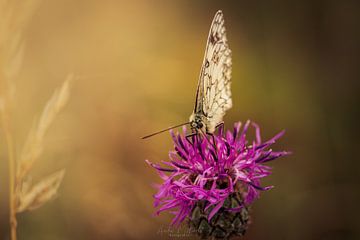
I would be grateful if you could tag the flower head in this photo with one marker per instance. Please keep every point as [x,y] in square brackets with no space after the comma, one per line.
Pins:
[211,168]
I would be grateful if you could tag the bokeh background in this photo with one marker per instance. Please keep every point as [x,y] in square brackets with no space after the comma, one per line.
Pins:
[295,67]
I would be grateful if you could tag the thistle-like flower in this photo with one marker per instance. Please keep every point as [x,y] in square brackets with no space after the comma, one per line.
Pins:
[212,180]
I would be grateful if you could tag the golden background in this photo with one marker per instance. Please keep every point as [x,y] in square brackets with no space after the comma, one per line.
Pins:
[295,67]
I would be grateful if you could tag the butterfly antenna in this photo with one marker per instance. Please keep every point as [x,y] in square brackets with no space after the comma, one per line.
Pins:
[167,129]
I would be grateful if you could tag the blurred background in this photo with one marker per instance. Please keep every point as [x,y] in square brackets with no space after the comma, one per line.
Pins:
[295,67]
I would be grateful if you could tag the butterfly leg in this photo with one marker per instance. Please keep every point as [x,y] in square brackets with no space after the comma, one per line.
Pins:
[220,124]
[207,139]
[190,135]
[213,143]
[220,127]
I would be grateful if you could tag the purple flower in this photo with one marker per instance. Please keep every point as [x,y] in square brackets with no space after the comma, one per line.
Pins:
[212,168]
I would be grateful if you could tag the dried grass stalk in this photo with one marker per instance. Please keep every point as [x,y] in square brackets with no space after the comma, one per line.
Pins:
[34,144]
[42,192]
[14,17]
[22,195]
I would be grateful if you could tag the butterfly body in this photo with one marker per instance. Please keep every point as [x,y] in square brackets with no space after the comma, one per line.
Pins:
[213,95]
[199,122]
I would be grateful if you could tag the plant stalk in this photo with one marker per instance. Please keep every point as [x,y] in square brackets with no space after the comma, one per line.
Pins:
[12,167]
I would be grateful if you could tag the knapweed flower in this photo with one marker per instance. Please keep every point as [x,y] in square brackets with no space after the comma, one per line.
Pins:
[212,179]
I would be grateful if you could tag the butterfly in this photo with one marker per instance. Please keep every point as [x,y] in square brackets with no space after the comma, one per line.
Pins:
[213,94]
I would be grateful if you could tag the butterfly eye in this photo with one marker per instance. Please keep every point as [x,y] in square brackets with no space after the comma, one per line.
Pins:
[199,123]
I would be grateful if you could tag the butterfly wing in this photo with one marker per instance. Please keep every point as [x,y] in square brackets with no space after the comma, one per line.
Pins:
[213,95]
